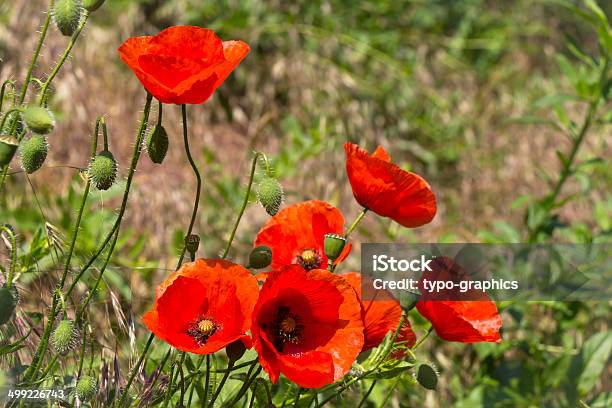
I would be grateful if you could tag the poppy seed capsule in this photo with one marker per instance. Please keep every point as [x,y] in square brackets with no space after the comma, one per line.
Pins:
[270,194]
[38,119]
[427,376]
[102,170]
[333,244]
[157,145]
[260,257]
[64,336]
[192,243]
[33,153]
[8,302]
[8,147]
[92,5]
[86,388]
[67,15]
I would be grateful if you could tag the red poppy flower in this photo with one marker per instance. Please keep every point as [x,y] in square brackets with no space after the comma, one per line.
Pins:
[307,325]
[183,64]
[204,306]
[467,317]
[296,234]
[381,313]
[389,191]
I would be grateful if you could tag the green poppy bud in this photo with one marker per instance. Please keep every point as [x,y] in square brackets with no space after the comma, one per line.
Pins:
[333,245]
[270,194]
[8,302]
[38,119]
[86,388]
[235,350]
[157,145]
[102,170]
[64,337]
[33,153]
[427,376]
[8,147]
[260,257]
[92,5]
[67,15]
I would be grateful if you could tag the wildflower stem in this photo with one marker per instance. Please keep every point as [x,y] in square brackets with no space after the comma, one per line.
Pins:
[244,204]
[58,66]
[367,394]
[194,167]
[13,264]
[222,383]
[247,384]
[135,370]
[3,90]
[422,339]
[356,222]
[207,384]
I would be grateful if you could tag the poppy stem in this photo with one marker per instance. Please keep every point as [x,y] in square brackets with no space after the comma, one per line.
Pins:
[223,380]
[135,370]
[422,339]
[244,203]
[367,394]
[207,384]
[356,222]
[194,167]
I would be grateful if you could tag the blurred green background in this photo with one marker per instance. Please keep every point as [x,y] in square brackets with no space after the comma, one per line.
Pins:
[472,94]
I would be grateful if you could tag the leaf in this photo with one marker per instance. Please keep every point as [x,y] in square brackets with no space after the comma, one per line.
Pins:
[11,348]
[589,364]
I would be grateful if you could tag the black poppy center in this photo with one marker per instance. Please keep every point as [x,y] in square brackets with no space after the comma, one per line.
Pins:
[286,328]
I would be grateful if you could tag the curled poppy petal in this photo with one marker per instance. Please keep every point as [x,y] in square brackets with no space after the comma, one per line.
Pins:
[466,317]
[381,313]
[389,191]
[182,64]
[204,306]
[296,234]
[307,325]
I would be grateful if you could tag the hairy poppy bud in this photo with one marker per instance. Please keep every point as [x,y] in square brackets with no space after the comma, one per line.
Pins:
[9,122]
[102,170]
[8,147]
[33,153]
[235,350]
[427,376]
[192,243]
[86,388]
[67,14]
[38,119]
[270,194]
[260,257]
[64,337]
[92,5]
[333,245]
[8,302]
[157,145]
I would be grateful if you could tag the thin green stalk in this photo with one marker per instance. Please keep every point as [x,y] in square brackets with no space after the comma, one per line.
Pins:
[222,383]
[196,172]
[5,84]
[390,393]
[13,264]
[244,205]
[422,339]
[58,66]
[6,116]
[297,397]
[135,370]
[246,385]
[367,394]
[43,34]
[356,222]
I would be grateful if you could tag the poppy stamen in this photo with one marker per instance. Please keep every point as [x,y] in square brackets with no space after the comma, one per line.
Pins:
[201,330]
[309,259]
[288,328]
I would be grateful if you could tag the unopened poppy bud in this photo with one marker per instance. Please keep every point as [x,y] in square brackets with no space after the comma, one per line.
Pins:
[67,15]
[39,119]
[8,147]
[8,302]
[270,194]
[333,244]
[157,145]
[192,243]
[427,376]
[235,350]
[86,388]
[64,337]
[260,257]
[33,153]
[102,170]
[92,5]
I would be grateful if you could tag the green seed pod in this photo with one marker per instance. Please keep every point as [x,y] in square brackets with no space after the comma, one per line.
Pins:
[92,5]
[38,119]
[67,15]
[8,302]
[103,170]
[8,147]
[33,153]
[86,388]
[157,145]
[333,244]
[10,121]
[260,257]
[427,376]
[64,337]
[192,243]
[270,194]
[235,350]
